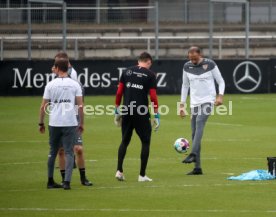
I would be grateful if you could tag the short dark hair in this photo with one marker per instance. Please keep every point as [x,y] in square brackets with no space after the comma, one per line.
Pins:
[194,49]
[62,54]
[145,57]
[62,64]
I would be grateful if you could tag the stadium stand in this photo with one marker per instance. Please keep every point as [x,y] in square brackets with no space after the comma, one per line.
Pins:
[100,41]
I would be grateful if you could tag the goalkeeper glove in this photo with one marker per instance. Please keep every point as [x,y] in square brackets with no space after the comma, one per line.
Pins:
[118,117]
[156,121]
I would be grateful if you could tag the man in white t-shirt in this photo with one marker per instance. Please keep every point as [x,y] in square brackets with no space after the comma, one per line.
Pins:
[60,97]
[78,147]
[200,75]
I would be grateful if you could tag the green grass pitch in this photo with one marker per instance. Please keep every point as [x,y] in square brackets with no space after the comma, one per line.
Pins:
[231,145]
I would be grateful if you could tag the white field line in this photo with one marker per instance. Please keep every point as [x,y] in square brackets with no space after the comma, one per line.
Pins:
[227,140]
[134,210]
[225,124]
[230,184]
[135,159]
[228,174]
[22,141]
[257,98]
[28,163]
[176,158]
[21,163]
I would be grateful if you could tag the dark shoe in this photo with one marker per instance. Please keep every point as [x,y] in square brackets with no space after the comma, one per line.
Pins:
[196,171]
[190,159]
[86,182]
[52,185]
[66,185]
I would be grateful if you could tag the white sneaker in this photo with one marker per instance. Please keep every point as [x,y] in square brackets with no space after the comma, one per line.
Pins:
[119,176]
[144,179]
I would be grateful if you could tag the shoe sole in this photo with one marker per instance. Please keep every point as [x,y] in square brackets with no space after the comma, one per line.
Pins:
[188,162]
[120,179]
[54,187]
[87,184]
[145,180]
[67,189]
[185,162]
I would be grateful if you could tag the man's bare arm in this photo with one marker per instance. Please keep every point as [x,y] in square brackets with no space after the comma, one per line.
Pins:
[79,100]
[43,107]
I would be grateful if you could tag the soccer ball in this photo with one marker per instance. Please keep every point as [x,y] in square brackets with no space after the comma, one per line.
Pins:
[181,145]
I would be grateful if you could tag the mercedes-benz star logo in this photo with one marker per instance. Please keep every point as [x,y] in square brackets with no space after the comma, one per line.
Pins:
[247,77]
[129,72]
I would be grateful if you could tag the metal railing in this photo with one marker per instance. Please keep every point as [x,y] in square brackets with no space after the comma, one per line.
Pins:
[64,10]
[186,12]
[148,40]
[102,12]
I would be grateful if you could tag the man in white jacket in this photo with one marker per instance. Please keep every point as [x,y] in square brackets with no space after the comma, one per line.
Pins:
[200,75]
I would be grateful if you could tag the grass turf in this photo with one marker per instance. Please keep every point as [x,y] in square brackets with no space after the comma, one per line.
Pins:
[231,145]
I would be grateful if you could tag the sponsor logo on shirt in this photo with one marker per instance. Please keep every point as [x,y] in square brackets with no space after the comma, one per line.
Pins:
[136,86]
[205,66]
[62,101]
[140,75]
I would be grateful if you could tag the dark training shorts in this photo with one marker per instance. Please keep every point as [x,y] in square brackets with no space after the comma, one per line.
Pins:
[62,135]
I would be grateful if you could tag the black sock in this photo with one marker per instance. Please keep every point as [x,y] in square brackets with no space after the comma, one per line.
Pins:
[62,173]
[51,180]
[121,156]
[144,158]
[82,174]
[75,165]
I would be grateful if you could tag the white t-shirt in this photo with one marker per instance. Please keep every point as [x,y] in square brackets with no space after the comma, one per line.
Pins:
[201,81]
[73,74]
[61,93]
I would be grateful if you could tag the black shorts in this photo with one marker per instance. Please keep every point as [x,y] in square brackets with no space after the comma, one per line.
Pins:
[141,124]
[62,135]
